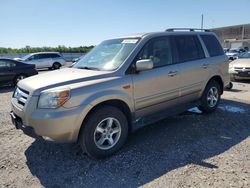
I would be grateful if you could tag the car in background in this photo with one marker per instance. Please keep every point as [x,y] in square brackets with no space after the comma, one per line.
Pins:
[12,71]
[77,59]
[226,50]
[244,55]
[51,60]
[240,68]
[233,53]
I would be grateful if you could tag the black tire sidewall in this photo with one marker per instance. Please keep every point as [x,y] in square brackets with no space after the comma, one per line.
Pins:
[86,138]
[55,64]
[204,105]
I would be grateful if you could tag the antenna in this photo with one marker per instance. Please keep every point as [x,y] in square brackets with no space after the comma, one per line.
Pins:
[201,21]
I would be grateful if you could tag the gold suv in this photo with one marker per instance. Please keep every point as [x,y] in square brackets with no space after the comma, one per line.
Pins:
[121,85]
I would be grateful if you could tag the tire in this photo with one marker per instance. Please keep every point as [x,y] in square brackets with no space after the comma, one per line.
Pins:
[56,66]
[18,78]
[229,86]
[210,97]
[96,136]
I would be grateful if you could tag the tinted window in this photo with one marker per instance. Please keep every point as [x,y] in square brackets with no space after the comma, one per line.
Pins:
[188,48]
[54,55]
[213,45]
[158,50]
[6,64]
[35,57]
[245,55]
[44,56]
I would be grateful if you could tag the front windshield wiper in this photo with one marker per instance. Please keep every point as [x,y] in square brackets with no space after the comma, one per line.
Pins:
[88,68]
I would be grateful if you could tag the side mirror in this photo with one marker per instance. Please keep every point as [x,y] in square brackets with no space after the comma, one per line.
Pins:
[143,65]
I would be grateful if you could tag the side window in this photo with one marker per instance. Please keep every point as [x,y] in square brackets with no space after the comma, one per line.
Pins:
[35,57]
[213,45]
[6,64]
[3,64]
[31,57]
[158,50]
[188,48]
[54,55]
[44,56]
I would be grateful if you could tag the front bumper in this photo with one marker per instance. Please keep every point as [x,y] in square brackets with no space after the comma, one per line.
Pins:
[59,125]
[17,121]
[240,74]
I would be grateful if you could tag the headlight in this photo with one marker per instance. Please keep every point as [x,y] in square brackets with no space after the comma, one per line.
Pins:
[53,98]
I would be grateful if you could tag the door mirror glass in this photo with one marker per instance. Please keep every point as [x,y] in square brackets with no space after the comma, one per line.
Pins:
[144,64]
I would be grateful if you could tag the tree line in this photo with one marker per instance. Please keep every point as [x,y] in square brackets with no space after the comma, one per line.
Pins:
[62,49]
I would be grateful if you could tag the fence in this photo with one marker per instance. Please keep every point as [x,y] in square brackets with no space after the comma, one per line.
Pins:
[67,56]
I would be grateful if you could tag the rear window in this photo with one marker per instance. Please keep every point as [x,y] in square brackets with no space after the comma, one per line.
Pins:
[188,48]
[213,45]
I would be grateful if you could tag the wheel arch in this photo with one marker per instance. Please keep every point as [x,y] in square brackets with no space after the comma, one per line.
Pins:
[218,79]
[118,103]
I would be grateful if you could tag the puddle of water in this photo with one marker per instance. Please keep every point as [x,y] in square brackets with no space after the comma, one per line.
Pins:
[233,109]
[195,110]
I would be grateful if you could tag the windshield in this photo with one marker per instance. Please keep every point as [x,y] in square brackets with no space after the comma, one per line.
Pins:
[26,57]
[245,55]
[108,55]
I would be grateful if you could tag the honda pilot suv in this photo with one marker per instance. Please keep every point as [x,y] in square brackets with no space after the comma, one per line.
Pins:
[121,85]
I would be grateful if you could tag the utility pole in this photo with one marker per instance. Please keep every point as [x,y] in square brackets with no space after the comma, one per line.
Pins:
[202,21]
[243,32]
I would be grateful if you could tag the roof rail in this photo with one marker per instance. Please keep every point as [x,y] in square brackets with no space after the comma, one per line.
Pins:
[187,29]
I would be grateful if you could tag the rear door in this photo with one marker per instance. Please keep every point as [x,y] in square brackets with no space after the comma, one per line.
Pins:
[193,66]
[156,89]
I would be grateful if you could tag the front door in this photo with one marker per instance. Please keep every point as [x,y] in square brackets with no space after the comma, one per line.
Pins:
[156,89]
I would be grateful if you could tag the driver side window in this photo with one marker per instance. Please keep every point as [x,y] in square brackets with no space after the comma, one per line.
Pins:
[158,50]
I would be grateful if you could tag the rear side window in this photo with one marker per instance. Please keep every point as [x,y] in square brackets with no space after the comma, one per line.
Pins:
[54,55]
[188,48]
[213,45]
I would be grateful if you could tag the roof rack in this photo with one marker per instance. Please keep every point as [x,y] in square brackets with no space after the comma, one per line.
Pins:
[187,29]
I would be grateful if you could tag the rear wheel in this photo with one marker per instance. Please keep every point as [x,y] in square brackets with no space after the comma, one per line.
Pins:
[56,65]
[229,86]
[104,132]
[210,97]
[18,78]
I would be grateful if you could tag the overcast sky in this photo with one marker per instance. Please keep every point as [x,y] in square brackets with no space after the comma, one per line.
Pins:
[88,22]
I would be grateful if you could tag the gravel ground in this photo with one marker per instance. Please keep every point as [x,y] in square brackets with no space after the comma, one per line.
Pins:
[188,150]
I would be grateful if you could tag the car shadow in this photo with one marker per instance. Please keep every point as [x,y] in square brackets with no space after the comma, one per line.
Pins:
[151,152]
[6,89]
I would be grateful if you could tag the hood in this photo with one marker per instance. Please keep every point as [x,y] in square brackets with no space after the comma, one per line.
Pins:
[241,63]
[60,77]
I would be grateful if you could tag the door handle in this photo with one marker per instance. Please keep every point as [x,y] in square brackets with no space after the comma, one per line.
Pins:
[205,65]
[172,73]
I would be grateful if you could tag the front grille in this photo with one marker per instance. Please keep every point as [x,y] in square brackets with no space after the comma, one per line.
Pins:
[21,95]
[243,69]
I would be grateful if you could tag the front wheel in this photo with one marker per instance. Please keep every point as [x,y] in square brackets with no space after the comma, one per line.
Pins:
[210,97]
[104,132]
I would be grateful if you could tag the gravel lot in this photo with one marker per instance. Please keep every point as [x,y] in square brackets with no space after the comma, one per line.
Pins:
[188,150]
